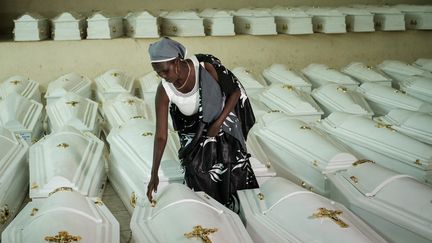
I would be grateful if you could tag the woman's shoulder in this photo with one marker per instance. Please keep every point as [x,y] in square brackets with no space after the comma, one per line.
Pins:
[208,58]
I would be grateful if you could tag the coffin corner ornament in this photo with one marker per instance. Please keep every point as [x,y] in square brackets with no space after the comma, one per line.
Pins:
[4,214]
[62,237]
[201,233]
[332,214]
[362,161]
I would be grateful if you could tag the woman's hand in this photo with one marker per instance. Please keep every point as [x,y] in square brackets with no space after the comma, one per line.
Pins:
[213,129]
[152,187]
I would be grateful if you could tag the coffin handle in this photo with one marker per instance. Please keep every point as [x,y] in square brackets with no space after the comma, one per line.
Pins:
[4,214]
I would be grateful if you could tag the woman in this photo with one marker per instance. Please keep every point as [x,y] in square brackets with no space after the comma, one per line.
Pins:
[212,115]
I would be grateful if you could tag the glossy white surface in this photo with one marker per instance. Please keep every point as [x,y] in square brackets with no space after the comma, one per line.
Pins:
[254,21]
[279,73]
[182,23]
[365,74]
[217,22]
[141,25]
[21,85]
[31,27]
[423,63]
[70,82]
[327,20]
[419,87]
[320,74]
[69,26]
[386,18]
[417,17]
[292,21]
[358,20]
[399,71]
[112,83]
[101,25]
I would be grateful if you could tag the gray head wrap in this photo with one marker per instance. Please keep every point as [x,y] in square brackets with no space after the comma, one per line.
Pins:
[166,49]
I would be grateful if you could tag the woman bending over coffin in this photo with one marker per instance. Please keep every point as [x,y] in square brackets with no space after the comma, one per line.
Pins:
[212,115]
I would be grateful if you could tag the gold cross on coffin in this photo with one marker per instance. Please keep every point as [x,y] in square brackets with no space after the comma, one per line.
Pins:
[332,214]
[62,237]
[200,232]
[72,103]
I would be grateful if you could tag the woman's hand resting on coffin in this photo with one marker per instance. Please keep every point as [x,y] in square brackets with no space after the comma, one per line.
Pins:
[152,187]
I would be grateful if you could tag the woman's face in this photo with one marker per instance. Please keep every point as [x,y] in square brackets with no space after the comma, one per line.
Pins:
[166,70]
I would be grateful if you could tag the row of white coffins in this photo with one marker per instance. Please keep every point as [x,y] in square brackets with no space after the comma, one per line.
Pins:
[218,22]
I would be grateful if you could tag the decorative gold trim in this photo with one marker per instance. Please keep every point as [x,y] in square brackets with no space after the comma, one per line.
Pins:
[98,202]
[319,26]
[383,125]
[61,189]
[62,145]
[201,233]
[72,103]
[34,211]
[4,214]
[34,185]
[268,165]
[260,196]
[354,179]
[315,162]
[332,214]
[114,29]
[115,74]
[174,29]
[145,134]
[133,199]
[247,26]
[417,162]
[400,92]
[288,87]
[305,128]
[15,82]
[129,101]
[413,22]
[153,203]
[342,89]
[284,26]
[62,237]
[362,161]
[272,111]
[137,117]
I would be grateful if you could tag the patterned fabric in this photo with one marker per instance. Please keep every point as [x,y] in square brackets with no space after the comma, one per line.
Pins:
[217,165]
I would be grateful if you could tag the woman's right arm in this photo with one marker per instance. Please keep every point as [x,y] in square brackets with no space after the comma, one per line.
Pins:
[161,105]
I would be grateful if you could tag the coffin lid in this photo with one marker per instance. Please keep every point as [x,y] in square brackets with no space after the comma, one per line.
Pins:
[417,84]
[114,80]
[187,14]
[354,11]
[363,72]
[401,68]
[253,12]
[19,84]
[322,71]
[124,107]
[342,98]
[410,8]
[8,141]
[140,15]
[215,13]
[284,75]
[288,12]
[424,63]
[411,119]
[324,12]
[150,82]
[18,112]
[71,82]
[101,15]
[246,78]
[29,17]
[378,9]
[68,16]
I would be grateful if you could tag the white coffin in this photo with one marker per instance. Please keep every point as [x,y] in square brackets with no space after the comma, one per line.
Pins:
[399,71]
[67,158]
[31,27]
[14,175]
[333,97]
[131,158]
[69,26]
[74,110]
[294,103]
[254,21]
[258,107]
[112,83]
[320,74]
[418,17]
[358,20]
[217,22]
[141,25]
[123,108]
[87,220]
[386,18]
[299,152]
[101,25]
[292,21]
[412,123]
[280,211]
[396,206]
[382,144]
[419,87]
[24,86]
[327,20]
[148,84]
[423,63]
[178,210]
[249,82]
[182,23]
[71,82]
[22,116]
[278,73]
[383,99]
[365,74]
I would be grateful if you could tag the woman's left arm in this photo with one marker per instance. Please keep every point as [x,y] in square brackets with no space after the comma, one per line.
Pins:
[230,103]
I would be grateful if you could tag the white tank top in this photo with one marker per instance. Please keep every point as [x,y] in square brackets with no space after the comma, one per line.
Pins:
[187,103]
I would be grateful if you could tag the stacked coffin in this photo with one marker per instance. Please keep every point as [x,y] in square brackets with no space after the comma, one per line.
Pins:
[383,99]
[326,20]
[13,175]
[396,206]
[385,18]
[249,82]
[68,26]
[71,82]
[424,63]
[254,21]
[285,98]
[141,25]
[76,111]
[358,20]
[112,83]
[365,74]
[22,116]
[65,216]
[399,71]
[101,25]
[333,97]
[67,158]
[411,123]
[297,151]
[292,21]
[26,87]
[182,23]
[320,74]
[31,27]
[217,22]
[131,158]
[181,215]
[123,108]
[419,87]
[280,211]
[278,73]
[149,84]
[418,17]
[382,144]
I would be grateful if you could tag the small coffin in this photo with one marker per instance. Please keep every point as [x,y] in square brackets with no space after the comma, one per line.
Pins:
[142,25]
[279,73]
[24,86]
[365,74]
[399,71]
[254,21]
[358,20]
[69,26]
[292,21]
[320,74]
[417,17]
[218,22]
[71,82]
[182,23]
[386,18]
[101,25]
[327,20]
[112,83]
[31,27]
[423,63]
